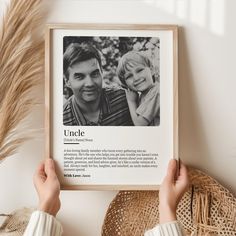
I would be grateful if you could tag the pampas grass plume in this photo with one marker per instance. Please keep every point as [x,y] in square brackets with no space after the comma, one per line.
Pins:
[21,69]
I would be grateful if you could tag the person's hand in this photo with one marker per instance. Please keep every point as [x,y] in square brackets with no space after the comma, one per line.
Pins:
[48,187]
[131,96]
[171,191]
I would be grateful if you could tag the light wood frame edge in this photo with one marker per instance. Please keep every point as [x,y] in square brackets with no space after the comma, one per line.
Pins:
[48,144]
[47,88]
[175,95]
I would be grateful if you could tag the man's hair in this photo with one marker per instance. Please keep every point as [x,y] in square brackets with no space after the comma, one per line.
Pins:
[129,60]
[76,53]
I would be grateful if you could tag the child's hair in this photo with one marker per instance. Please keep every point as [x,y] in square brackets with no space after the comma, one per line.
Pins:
[130,59]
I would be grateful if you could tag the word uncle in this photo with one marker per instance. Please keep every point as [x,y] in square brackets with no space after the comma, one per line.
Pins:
[78,133]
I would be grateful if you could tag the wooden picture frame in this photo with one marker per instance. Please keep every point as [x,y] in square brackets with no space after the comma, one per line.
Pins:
[149,148]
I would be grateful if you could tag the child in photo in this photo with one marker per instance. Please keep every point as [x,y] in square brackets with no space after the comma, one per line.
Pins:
[143,94]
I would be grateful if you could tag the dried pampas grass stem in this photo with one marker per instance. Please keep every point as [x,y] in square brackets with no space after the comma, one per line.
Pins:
[21,69]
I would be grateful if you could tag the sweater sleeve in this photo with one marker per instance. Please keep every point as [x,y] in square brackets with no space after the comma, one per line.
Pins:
[43,224]
[169,229]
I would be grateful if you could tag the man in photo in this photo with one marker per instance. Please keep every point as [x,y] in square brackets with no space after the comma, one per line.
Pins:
[91,104]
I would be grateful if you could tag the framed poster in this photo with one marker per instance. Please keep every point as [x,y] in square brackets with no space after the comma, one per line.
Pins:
[111,104]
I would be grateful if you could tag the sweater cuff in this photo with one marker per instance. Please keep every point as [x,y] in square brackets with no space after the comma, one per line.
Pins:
[168,229]
[43,224]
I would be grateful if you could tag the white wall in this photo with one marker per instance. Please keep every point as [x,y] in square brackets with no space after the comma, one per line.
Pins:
[207,100]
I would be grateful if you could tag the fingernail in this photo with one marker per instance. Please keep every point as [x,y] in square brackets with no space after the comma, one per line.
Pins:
[50,162]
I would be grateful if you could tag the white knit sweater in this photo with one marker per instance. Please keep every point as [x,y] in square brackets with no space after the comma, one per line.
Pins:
[43,224]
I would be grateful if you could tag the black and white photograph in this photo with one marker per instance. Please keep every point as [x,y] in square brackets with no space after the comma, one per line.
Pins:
[111,81]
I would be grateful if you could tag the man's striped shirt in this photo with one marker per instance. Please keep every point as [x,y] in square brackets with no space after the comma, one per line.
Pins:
[114,111]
